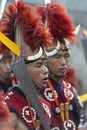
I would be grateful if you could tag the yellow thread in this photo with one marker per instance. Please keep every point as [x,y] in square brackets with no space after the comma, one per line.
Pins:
[10,44]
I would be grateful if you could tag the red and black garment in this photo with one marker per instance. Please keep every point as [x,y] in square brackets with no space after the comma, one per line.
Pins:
[18,104]
[64,94]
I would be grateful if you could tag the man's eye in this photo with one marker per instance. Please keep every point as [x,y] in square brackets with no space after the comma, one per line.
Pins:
[58,56]
[46,64]
[38,65]
[67,56]
[3,61]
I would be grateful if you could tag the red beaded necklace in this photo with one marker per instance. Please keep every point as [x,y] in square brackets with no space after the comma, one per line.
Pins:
[63,106]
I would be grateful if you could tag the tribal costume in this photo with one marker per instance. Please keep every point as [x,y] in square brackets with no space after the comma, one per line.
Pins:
[62,95]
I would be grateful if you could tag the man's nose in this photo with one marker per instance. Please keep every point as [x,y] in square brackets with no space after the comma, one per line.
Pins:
[45,69]
[8,65]
[63,61]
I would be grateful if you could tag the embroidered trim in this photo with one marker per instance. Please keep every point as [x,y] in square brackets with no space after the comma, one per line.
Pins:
[68,125]
[48,94]
[55,128]
[26,112]
[35,57]
[54,51]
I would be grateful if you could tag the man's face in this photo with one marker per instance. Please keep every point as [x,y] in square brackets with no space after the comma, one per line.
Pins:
[58,63]
[39,72]
[5,69]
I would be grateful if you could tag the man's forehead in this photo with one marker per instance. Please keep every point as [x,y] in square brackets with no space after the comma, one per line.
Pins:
[6,57]
[44,58]
[60,52]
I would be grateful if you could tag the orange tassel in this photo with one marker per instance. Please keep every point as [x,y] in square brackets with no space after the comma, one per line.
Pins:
[62,111]
[66,111]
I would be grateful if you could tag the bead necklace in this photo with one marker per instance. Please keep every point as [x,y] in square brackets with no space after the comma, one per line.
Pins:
[63,109]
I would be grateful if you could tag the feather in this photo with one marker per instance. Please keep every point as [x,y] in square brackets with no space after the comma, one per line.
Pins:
[60,23]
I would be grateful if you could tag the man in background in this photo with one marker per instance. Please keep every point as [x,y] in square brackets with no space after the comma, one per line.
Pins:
[5,69]
[61,95]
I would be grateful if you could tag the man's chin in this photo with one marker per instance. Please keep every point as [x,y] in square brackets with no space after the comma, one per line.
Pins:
[61,76]
[42,86]
[8,79]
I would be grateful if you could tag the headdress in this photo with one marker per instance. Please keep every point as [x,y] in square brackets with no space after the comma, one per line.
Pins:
[59,24]
[4,51]
[23,25]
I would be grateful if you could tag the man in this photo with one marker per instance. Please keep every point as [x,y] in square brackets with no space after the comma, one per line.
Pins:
[64,97]
[18,102]
[5,70]
[59,93]
[23,114]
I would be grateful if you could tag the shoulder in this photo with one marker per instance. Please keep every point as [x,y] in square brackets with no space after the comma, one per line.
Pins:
[15,99]
[13,92]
